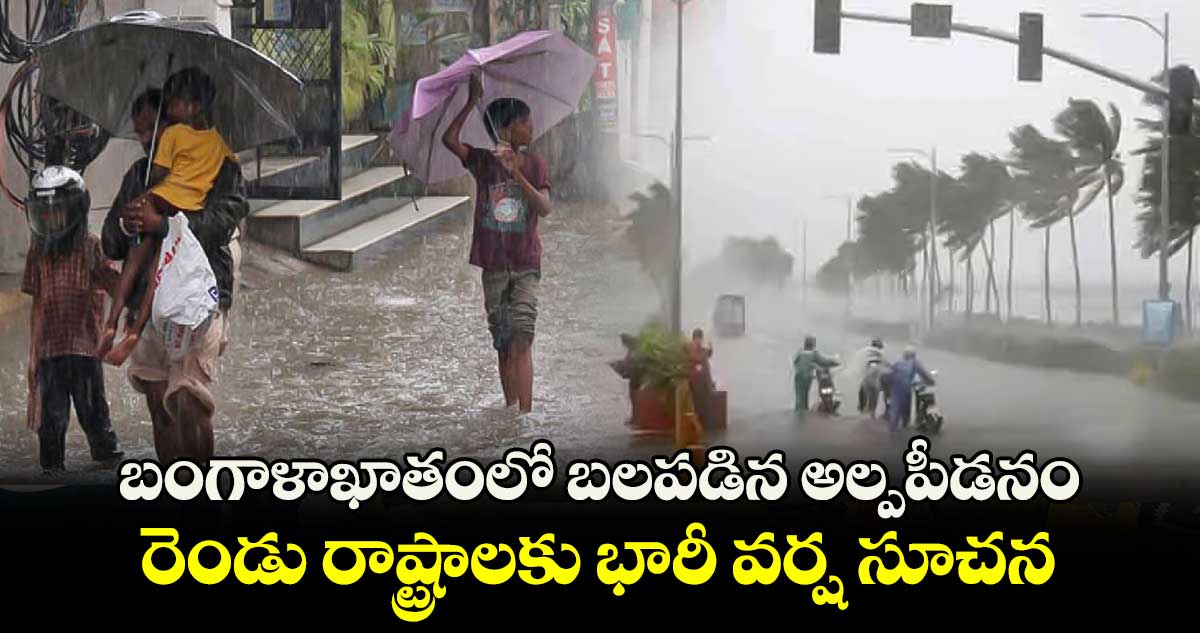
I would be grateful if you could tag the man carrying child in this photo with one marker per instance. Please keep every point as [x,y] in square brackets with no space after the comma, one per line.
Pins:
[177,392]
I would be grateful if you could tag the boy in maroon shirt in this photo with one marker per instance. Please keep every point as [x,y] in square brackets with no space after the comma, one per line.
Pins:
[512,193]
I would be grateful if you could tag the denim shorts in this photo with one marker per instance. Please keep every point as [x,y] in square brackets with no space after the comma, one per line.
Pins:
[511,300]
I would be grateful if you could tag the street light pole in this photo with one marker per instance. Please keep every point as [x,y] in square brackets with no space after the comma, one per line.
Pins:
[933,194]
[849,213]
[804,259]
[849,244]
[1165,202]
[1163,288]
[677,173]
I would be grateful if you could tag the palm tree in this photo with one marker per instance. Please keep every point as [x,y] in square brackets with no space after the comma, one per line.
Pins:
[651,227]
[1094,141]
[982,193]
[1047,190]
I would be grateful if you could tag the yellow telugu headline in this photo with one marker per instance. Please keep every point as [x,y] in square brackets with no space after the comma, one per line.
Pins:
[420,566]
[721,478]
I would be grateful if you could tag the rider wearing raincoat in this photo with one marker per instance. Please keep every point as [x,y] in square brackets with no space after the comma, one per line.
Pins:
[805,362]
[901,379]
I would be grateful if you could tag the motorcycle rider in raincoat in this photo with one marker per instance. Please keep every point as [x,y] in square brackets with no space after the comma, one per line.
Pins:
[803,364]
[874,367]
[901,380]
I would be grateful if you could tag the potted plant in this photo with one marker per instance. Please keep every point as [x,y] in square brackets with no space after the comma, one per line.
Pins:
[655,364]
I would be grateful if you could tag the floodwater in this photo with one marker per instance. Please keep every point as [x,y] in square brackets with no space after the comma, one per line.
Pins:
[393,359]
[397,359]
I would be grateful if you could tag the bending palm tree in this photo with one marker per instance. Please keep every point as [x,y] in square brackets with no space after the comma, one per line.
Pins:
[1047,190]
[1094,141]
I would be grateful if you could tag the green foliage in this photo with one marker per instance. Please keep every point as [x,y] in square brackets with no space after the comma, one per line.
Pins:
[659,357]
[576,18]
[516,16]
[368,53]
[652,231]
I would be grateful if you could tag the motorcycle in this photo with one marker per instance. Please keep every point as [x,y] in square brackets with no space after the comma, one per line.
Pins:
[929,415]
[828,399]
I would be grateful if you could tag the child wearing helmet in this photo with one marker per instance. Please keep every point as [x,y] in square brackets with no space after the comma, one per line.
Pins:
[66,274]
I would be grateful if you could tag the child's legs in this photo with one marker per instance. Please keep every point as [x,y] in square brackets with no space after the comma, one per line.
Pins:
[55,388]
[524,311]
[91,404]
[495,300]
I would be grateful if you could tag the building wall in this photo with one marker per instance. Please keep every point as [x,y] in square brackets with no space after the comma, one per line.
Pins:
[104,174]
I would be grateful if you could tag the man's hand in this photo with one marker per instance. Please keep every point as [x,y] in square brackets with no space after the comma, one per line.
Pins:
[140,217]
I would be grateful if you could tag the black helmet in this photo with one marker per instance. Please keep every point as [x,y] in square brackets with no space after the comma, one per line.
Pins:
[877,343]
[57,207]
[810,342]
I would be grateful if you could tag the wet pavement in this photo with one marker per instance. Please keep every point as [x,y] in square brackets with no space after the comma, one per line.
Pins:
[393,359]
[397,359]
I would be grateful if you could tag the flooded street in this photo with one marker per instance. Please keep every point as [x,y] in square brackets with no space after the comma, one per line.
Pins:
[397,359]
[393,359]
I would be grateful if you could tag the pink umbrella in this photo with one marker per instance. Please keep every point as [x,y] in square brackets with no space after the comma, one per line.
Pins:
[544,69]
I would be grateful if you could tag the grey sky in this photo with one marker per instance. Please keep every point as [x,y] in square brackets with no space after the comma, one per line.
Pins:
[792,127]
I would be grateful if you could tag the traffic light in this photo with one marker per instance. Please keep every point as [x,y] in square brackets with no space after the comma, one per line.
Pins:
[1183,145]
[827,27]
[1182,90]
[931,20]
[1029,55]
[1183,152]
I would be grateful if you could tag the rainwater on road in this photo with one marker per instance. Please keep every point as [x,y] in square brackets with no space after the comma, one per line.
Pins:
[390,360]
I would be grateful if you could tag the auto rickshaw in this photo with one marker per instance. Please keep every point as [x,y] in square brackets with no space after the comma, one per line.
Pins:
[729,316]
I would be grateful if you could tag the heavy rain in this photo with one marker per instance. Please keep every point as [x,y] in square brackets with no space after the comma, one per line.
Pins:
[818,163]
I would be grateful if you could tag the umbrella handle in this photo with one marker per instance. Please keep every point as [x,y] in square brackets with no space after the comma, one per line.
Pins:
[487,115]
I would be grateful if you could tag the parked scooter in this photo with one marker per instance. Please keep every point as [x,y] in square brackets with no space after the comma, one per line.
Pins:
[928,415]
[828,398]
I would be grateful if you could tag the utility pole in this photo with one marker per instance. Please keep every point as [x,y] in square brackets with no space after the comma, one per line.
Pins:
[849,244]
[1164,292]
[933,194]
[677,173]
[804,259]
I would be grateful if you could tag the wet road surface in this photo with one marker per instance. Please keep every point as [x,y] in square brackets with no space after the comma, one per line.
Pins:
[397,359]
[393,359]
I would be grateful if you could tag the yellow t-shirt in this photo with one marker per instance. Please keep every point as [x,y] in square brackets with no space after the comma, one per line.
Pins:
[192,158]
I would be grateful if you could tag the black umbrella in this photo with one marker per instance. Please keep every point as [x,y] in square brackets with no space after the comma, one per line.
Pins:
[98,71]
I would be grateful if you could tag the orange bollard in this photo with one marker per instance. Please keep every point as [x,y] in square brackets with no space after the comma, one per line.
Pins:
[689,434]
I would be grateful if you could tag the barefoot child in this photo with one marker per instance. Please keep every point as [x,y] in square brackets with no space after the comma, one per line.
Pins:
[66,273]
[512,193]
[189,157]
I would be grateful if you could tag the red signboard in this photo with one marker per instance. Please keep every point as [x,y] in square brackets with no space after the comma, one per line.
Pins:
[604,38]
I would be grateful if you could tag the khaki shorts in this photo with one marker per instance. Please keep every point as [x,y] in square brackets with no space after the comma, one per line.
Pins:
[511,301]
[150,363]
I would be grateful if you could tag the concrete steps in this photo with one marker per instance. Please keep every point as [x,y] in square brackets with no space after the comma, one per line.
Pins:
[368,241]
[374,215]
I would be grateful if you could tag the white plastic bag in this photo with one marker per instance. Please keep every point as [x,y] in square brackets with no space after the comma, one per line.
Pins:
[187,294]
